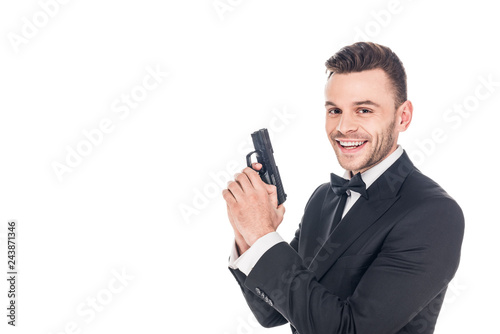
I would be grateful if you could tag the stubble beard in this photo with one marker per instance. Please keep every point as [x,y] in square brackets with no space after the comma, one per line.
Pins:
[377,154]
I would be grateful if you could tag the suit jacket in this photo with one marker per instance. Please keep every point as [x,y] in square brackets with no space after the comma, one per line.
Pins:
[385,269]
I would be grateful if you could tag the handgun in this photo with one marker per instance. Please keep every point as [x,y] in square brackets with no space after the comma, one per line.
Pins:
[269,172]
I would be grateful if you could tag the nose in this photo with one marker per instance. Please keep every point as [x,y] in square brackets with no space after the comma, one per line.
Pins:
[347,123]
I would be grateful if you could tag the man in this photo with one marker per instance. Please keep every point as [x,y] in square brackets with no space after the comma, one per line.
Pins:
[371,255]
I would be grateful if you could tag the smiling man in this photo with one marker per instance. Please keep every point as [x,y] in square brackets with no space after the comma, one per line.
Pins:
[361,118]
[375,250]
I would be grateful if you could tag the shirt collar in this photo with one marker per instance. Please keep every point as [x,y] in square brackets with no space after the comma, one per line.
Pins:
[371,175]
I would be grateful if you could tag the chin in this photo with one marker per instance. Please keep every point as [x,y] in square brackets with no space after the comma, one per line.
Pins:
[351,163]
[352,167]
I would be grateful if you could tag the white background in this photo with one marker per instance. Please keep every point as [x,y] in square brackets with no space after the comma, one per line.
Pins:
[229,74]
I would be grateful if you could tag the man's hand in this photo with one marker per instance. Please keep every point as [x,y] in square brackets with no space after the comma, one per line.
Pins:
[241,244]
[252,206]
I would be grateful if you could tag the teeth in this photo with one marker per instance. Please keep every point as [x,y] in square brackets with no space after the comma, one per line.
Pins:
[351,143]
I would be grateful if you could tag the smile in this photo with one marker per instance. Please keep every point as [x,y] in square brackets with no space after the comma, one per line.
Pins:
[351,145]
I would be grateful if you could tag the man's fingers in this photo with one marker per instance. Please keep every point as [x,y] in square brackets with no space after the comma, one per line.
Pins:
[271,188]
[254,178]
[281,209]
[230,215]
[258,184]
[272,192]
[228,207]
[228,196]
[240,185]
[256,166]
[243,181]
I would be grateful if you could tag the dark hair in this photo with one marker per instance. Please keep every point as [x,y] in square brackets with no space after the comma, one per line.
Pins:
[364,56]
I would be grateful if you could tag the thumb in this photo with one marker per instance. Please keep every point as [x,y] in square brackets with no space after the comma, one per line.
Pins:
[272,193]
[271,189]
[281,209]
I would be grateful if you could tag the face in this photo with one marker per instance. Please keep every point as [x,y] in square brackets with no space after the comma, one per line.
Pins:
[362,123]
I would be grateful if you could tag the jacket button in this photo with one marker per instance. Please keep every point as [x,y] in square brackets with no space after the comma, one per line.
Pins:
[258,291]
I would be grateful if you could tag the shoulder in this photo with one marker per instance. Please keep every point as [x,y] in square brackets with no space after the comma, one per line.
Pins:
[423,202]
[421,188]
[407,181]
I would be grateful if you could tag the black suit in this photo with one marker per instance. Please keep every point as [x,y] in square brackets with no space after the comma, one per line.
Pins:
[385,269]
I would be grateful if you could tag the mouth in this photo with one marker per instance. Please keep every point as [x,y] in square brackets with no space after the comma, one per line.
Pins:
[351,146]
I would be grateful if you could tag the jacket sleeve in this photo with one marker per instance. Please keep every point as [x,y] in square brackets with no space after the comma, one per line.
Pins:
[419,257]
[265,314]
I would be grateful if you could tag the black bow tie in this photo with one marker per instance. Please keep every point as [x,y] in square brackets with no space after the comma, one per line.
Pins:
[340,185]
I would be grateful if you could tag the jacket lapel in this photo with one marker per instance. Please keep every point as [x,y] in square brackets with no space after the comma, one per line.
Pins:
[382,194]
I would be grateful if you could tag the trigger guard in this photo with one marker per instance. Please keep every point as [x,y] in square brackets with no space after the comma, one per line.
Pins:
[249,163]
[249,159]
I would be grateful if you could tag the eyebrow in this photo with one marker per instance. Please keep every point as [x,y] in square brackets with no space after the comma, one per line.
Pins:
[366,102]
[357,103]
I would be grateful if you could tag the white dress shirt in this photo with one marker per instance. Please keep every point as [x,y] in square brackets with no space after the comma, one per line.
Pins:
[247,261]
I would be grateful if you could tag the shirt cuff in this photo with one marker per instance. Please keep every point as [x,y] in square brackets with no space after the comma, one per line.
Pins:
[233,256]
[247,261]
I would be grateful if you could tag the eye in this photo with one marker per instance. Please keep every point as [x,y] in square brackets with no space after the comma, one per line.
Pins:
[335,111]
[364,111]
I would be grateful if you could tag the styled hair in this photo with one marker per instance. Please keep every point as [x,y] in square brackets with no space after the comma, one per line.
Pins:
[364,56]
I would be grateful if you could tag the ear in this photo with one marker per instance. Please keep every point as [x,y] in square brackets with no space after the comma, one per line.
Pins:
[403,116]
